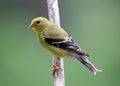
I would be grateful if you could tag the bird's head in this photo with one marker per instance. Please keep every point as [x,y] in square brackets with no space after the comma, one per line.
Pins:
[39,23]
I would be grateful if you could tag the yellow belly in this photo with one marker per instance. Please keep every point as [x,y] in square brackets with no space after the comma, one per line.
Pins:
[58,52]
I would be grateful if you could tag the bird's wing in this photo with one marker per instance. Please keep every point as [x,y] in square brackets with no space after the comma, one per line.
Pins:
[66,44]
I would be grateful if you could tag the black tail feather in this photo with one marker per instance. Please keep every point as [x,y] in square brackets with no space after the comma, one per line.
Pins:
[89,65]
[86,62]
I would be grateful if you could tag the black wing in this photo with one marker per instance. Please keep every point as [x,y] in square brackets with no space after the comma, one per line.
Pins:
[66,44]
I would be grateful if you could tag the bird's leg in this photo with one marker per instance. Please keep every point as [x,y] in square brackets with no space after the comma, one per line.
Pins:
[56,68]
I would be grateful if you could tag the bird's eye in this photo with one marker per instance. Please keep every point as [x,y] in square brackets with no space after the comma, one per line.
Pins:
[37,22]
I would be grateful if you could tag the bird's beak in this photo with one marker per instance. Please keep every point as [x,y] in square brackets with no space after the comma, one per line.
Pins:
[31,26]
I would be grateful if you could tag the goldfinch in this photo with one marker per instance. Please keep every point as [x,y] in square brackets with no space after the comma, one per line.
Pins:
[59,43]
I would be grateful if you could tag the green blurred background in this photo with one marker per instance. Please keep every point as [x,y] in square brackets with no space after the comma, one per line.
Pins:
[94,24]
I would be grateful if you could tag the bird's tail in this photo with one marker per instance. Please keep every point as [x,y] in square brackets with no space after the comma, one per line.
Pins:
[87,63]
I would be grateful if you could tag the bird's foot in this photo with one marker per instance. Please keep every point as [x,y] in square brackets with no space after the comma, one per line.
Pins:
[56,68]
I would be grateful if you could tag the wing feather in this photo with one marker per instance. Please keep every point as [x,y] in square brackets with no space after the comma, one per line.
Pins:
[66,44]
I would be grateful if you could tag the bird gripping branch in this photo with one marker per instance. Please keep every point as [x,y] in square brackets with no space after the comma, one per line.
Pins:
[59,43]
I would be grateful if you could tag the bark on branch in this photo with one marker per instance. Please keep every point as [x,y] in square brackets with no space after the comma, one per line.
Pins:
[53,12]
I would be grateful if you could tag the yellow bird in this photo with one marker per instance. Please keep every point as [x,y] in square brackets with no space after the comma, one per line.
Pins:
[59,43]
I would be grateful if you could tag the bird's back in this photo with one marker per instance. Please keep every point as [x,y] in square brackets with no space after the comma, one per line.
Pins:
[54,31]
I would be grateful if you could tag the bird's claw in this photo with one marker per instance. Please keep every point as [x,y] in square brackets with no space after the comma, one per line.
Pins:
[56,68]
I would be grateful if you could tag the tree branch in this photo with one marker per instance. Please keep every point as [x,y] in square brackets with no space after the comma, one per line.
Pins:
[53,11]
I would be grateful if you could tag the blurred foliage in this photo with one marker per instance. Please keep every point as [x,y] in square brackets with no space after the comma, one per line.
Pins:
[94,24]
